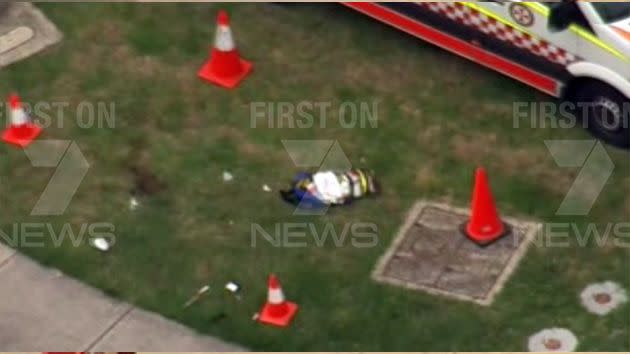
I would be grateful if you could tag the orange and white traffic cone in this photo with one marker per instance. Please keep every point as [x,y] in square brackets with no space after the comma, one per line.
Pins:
[277,311]
[485,226]
[22,131]
[225,67]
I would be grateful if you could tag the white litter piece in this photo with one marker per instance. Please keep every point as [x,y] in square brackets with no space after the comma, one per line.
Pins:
[133,203]
[266,188]
[255,316]
[227,177]
[602,298]
[204,289]
[100,244]
[232,287]
[553,340]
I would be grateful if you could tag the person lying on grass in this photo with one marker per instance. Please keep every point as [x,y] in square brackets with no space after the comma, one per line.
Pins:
[328,188]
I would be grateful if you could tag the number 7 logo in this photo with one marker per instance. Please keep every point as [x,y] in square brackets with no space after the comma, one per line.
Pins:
[596,169]
[71,168]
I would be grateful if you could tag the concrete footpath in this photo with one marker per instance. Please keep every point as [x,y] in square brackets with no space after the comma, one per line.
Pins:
[44,310]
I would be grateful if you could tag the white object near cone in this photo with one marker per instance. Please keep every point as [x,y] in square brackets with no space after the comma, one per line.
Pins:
[100,244]
[227,177]
[21,131]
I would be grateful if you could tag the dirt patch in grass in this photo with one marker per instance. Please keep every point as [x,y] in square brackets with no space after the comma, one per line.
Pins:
[430,138]
[186,77]
[141,66]
[426,177]
[412,109]
[487,149]
[111,50]
[106,30]
[246,148]
[202,270]
[382,79]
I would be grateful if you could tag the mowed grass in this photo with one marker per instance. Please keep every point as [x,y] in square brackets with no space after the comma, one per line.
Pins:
[439,116]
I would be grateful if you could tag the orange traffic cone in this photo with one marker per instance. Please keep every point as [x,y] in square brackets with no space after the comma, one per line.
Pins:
[485,225]
[22,131]
[277,311]
[225,67]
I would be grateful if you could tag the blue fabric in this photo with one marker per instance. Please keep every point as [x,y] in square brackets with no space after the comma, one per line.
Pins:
[307,200]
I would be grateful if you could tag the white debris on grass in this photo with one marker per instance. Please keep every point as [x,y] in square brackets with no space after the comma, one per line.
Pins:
[602,298]
[100,244]
[266,188]
[553,340]
[133,203]
[204,289]
[227,177]
[232,287]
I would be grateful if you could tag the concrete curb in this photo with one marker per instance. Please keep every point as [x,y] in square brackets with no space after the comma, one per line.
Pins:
[45,310]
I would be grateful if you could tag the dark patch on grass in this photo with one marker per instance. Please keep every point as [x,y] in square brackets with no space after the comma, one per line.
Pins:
[145,182]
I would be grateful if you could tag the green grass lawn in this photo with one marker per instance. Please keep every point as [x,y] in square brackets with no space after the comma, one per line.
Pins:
[439,116]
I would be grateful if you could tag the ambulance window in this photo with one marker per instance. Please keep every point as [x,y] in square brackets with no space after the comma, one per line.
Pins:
[612,12]
[571,13]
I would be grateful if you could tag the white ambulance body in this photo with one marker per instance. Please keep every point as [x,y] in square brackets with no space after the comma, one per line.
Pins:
[574,50]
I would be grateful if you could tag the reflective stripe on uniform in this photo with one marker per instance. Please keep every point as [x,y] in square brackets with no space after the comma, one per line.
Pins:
[363,178]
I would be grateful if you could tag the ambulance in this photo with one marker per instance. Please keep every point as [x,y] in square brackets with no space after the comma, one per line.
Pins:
[576,51]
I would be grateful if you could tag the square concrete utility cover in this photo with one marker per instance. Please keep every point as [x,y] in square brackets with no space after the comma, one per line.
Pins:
[24,31]
[431,254]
